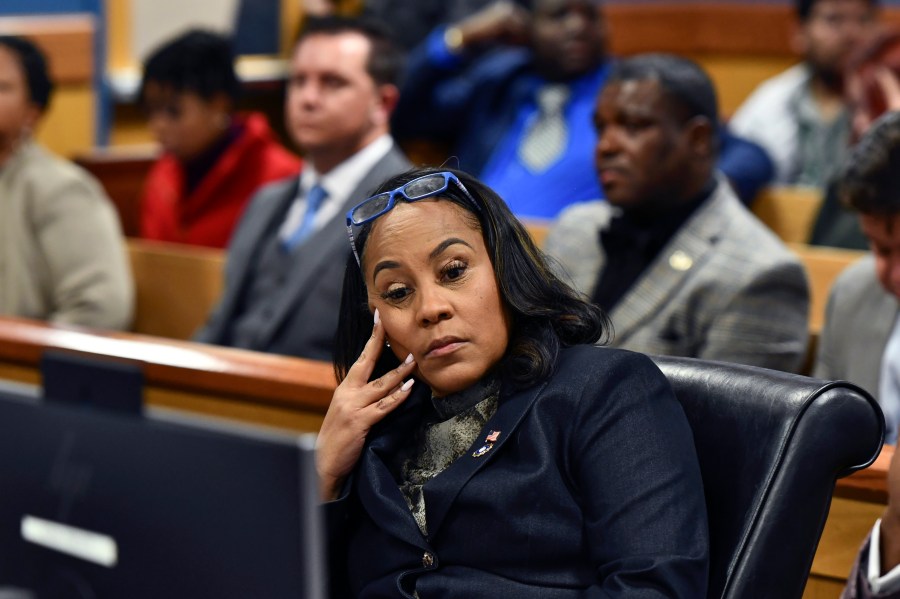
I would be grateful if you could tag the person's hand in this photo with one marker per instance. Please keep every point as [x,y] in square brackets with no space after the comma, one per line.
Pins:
[356,406]
[890,520]
[890,87]
[889,84]
[503,21]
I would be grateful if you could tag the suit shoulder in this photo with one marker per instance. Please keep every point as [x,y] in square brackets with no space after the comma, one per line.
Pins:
[596,361]
[857,281]
[586,215]
[747,238]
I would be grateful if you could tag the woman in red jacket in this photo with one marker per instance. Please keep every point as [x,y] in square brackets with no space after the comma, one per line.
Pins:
[214,159]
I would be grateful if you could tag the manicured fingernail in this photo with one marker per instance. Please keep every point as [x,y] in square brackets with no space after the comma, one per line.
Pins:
[408,359]
[377,316]
[407,385]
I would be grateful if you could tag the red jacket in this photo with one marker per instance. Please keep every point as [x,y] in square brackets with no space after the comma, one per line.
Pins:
[209,214]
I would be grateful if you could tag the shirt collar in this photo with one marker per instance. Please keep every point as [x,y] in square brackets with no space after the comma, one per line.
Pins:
[340,181]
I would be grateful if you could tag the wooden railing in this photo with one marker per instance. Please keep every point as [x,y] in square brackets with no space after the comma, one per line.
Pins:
[262,388]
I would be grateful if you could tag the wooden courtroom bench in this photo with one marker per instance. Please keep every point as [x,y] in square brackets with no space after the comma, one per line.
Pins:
[789,211]
[176,286]
[231,383]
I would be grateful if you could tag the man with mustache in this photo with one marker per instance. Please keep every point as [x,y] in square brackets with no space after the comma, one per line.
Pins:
[679,264]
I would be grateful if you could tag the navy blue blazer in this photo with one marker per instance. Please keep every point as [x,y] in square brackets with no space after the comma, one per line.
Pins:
[591,490]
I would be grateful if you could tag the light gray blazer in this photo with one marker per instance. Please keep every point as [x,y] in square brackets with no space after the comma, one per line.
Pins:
[305,319]
[858,322]
[723,288]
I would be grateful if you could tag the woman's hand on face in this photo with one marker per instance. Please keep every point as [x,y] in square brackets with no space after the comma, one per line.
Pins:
[356,406]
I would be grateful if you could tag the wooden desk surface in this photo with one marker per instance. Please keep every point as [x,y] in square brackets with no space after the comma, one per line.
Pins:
[275,390]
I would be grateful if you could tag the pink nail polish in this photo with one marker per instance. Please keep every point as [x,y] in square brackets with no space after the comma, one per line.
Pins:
[377,316]
[407,385]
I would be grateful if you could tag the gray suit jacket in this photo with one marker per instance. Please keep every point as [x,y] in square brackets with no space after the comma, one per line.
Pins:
[723,288]
[858,323]
[305,319]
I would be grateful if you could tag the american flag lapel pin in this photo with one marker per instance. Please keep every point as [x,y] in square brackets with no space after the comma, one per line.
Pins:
[488,444]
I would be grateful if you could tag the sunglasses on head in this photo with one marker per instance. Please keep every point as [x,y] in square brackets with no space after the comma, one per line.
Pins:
[426,186]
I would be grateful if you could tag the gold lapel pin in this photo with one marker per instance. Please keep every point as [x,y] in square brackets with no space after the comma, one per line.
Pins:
[680,261]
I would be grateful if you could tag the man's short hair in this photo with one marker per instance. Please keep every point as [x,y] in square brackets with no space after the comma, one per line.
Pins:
[198,61]
[805,7]
[385,62]
[34,65]
[870,179]
[685,85]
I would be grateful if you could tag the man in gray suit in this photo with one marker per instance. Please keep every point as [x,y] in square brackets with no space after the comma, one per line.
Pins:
[861,338]
[679,264]
[286,258]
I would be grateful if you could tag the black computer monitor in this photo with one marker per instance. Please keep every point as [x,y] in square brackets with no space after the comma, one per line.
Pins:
[92,382]
[95,504]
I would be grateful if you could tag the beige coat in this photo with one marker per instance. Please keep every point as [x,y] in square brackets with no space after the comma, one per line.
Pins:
[62,256]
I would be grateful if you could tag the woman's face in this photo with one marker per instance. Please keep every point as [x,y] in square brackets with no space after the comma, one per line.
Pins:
[429,275]
[17,112]
[185,124]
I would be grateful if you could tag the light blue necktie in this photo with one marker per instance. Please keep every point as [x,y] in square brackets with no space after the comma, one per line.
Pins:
[889,385]
[314,200]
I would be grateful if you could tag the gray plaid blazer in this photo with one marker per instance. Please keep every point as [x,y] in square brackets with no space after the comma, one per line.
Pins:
[723,288]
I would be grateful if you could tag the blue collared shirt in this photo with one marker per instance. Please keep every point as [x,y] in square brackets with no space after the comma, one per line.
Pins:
[570,179]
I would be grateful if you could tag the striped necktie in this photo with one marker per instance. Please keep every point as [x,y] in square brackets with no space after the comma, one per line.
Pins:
[545,138]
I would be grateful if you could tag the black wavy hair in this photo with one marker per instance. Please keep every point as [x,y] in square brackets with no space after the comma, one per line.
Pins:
[870,179]
[197,61]
[34,65]
[545,313]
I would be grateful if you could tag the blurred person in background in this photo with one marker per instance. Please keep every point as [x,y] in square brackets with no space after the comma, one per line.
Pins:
[873,88]
[800,117]
[285,263]
[62,256]
[681,267]
[214,158]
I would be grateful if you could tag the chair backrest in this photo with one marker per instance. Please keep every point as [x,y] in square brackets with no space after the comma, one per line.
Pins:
[770,445]
[176,286]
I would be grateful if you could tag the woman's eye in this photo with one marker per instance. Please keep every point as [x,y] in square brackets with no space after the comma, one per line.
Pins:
[455,270]
[395,293]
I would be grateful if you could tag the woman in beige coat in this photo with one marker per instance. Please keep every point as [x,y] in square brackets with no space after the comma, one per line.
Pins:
[62,256]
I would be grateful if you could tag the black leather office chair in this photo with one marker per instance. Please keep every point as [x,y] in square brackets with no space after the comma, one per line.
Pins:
[771,446]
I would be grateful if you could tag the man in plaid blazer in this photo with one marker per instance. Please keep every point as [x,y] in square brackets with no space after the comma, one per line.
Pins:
[681,267]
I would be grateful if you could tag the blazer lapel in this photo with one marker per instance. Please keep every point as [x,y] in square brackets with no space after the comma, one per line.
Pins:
[677,262]
[378,491]
[244,250]
[441,491]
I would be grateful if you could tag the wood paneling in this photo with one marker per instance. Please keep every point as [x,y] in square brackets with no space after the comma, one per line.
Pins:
[225,382]
[66,39]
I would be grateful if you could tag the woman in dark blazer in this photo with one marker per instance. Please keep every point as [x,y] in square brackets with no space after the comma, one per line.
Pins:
[479,444]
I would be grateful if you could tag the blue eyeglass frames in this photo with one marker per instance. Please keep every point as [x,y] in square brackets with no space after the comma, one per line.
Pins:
[426,186]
